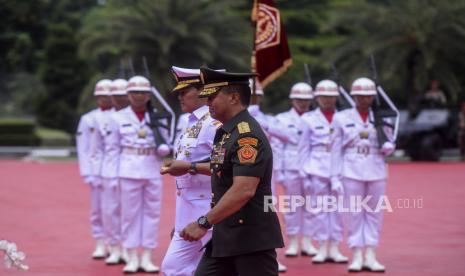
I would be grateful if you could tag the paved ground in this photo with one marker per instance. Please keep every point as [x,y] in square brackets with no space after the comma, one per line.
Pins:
[44,209]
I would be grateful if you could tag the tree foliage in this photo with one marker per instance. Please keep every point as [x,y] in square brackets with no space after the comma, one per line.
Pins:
[53,51]
[413,41]
[167,32]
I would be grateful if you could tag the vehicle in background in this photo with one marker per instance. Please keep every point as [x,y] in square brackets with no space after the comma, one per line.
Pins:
[426,133]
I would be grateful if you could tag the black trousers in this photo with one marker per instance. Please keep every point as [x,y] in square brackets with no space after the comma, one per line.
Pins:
[260,263]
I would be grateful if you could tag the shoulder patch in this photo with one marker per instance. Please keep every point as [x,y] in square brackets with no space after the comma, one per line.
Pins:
[248,141]
[243,127]
[247,154]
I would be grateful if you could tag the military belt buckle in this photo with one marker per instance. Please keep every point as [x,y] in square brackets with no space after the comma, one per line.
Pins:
[364,150]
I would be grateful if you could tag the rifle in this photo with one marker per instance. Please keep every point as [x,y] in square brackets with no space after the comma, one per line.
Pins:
[308,79]
[345,101]
[380,114]
[121,70]
[155,116]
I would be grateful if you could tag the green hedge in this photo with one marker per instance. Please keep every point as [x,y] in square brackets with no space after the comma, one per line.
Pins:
[16,126]
[23,132]
[19,140]
[53,137]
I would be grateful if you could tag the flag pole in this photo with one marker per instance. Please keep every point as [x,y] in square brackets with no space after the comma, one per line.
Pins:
[254,19]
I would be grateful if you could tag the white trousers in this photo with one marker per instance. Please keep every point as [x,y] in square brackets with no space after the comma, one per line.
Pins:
[325,225]
[296,222]
[364,226]
[96,221]
[111,213]
[140,212]
[182,257]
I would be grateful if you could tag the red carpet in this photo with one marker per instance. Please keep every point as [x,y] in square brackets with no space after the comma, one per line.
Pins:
[44,209]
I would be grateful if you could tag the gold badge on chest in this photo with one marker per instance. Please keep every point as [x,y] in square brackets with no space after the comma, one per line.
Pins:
[364,134]
[142,133]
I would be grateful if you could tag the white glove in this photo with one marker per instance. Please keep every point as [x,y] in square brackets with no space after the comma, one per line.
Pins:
[88,179]
[279,174]
[388,148]
[163,150]
[336,185]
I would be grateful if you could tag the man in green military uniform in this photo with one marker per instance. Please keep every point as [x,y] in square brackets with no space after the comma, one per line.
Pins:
[244,234]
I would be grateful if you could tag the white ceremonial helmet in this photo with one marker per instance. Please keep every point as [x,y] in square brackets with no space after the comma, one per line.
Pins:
[258,87]
[139,83]
[326,88]
[118,87]
[103,88]
[301,90]
[364,87]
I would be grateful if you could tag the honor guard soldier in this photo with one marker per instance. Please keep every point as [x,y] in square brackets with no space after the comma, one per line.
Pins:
[141,184]
[287,169]
[193,195]
[111,199]
[273,132]
[245,234]
[315,159]
[357,162]
[89,150]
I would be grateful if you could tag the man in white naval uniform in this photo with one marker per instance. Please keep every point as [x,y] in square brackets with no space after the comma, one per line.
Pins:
[358,163]
[315,160]
[89,152]
[111,198]
[193,195]
[181,125]
[287,169]
[140,181]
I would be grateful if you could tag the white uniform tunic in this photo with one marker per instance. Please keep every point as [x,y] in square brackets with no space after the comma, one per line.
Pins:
[315,160]
[111,197]
[287,169]
[140,180]
[358,162]
[87,151]
[193,195]
[181,126]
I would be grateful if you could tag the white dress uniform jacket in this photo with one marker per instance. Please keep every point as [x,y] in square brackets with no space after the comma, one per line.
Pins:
[86,147]
[355,151]
[290,122]
[109,161]
[315,144]
[133,141]
[195,144]
[180,127]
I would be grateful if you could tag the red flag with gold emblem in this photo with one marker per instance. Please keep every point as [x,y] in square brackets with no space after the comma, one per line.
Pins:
[271,56]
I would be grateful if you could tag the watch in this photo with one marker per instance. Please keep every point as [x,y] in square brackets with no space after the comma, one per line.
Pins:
[193,168]
[203,222]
